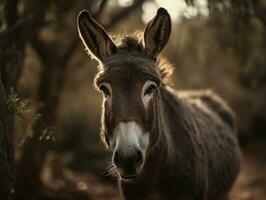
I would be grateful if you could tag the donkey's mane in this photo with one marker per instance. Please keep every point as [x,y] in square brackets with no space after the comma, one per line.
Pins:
[133,44]
[130,43]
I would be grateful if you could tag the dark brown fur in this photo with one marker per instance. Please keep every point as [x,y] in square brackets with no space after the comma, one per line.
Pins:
[196,155]
[193,152]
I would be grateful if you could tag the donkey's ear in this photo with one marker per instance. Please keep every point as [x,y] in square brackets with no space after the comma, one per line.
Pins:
[94,37]
[157,33]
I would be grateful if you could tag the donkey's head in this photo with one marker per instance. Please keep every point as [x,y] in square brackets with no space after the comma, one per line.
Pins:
[129,80]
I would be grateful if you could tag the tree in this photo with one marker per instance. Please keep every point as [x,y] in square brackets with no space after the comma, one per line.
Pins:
[54,55]
[5,148]
[12,52]
[239,20]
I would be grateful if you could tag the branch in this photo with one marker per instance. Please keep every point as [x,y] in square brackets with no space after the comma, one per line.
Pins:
[9,30]
[6,157]
[114,20]
[43,49]
[10,12]
[75,40]
[39,46]
[70,49]
[100,10]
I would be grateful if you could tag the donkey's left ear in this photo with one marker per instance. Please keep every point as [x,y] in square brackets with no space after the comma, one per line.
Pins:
[94,37]
[157,33]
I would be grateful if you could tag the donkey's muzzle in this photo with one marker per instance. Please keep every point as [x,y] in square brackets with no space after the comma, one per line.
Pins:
[128,164]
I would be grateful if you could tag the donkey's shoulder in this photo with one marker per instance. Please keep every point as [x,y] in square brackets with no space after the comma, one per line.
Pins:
[213,102]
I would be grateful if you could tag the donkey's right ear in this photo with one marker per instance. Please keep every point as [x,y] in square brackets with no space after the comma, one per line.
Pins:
[94,37]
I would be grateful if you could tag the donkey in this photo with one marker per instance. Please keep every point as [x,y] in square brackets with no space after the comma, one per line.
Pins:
[166,145]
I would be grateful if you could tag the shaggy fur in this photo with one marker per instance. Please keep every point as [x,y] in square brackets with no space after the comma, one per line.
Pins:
[193,152]
[194,147]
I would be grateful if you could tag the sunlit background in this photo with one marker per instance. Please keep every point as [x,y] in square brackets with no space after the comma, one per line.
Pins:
[215,44]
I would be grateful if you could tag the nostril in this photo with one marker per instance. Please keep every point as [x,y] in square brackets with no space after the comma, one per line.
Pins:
[129,161]
[117,159]
[139,157]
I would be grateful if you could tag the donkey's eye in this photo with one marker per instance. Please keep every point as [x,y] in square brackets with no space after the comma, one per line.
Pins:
[147,92]
[104,88]
[150,89]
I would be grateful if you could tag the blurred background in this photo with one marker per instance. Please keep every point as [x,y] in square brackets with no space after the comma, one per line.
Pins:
[51,112]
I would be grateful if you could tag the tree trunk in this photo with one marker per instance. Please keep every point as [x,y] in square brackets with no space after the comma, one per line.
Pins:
[11,52]
[34,149]
[5,147]
[54,61]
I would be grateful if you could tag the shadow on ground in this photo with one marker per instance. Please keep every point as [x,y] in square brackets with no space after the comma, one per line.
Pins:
[250,185]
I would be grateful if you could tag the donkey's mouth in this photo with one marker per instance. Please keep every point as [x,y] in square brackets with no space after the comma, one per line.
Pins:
[129,177]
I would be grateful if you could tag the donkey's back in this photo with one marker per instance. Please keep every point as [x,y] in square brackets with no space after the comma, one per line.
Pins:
[210,140]
[212,102]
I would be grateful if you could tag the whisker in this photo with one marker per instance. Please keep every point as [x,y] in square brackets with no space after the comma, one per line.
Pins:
[110,171]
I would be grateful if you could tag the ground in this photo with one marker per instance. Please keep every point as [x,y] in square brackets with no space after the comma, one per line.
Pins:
[250,185]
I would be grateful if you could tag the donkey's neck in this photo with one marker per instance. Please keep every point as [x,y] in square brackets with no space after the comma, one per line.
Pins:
[163,149]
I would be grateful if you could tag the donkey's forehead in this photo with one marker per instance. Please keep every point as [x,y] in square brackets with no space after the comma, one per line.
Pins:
[128,67]
[128,61]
